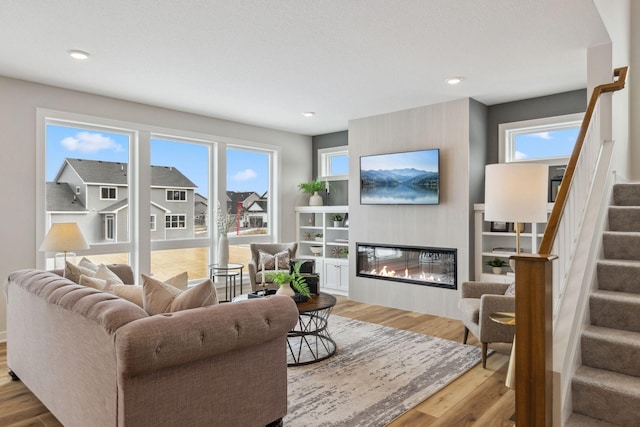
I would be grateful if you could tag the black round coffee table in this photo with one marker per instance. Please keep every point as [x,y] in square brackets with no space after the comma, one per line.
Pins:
[309,341]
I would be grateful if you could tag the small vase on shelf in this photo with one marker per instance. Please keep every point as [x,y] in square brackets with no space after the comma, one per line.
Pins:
[315,199]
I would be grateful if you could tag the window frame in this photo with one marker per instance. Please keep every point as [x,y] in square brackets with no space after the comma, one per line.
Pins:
[168,226]
[153,220]
[173,191]
[508,131]
[109,188]
[324,162]
[110,232]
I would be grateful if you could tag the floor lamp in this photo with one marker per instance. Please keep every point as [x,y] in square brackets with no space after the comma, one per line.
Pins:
[64,237]
[516,192]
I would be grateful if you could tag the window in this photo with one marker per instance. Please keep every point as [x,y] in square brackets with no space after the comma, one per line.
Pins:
[153,223]
[108,193]
[333,163]
[176,195]
[548,140]
[175,221]
[109,227]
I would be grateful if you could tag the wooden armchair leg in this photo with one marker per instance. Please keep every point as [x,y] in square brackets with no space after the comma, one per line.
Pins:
[484,355]
[466,335]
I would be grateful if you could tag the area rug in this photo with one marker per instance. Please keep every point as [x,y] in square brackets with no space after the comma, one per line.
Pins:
[377,374]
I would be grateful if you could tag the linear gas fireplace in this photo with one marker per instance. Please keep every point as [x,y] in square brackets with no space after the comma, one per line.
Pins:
[410,264]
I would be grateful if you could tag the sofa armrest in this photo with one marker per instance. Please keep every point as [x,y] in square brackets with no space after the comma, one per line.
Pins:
[173,339]
[477,289]
[253,270]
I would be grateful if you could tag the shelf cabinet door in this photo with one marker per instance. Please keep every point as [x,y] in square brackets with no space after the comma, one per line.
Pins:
[336,276]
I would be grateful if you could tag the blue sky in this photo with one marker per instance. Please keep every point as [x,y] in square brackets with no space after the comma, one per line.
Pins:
[246,170]
[426,160]
[557,143]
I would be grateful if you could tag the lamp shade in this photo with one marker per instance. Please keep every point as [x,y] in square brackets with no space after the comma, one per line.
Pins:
[64,237]
[516,192]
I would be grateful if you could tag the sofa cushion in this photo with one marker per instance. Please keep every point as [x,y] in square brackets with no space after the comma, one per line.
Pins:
[95,283]
[87,263]
[268,261]
[159,297]
[129,292]
[180,281]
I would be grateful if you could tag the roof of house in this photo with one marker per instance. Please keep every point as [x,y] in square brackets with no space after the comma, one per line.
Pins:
[101,172]
[258,206]
[61,198]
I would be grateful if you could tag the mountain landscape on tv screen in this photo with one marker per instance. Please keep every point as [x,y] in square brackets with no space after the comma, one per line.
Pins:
[396,177]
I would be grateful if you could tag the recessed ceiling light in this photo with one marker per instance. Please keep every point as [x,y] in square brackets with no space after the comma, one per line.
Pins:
[308,114]
[454,80]
[78,54]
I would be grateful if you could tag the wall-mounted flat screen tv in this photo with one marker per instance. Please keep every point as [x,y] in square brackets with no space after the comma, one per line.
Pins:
[407,178]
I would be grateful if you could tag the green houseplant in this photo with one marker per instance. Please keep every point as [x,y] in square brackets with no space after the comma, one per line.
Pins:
[496,264]
[312,188]
[295,279]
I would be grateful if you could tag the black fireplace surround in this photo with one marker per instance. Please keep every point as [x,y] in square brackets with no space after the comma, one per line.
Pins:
[409,264]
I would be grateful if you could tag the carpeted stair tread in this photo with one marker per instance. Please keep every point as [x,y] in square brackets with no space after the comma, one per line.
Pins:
[606,395]
[619,275]
[611,349]
[621,245]
[616,310]
[626,194]
[579,420]
[624,218]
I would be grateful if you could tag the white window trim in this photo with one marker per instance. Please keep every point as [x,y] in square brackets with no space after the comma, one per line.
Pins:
[108,187]
[166,195]
[178,227]
[507,132]
[324,162]
[106,227]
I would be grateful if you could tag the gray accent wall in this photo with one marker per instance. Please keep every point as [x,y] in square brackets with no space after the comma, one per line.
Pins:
[528,109]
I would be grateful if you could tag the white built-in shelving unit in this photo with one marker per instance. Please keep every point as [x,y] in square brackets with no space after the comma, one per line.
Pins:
[331,260]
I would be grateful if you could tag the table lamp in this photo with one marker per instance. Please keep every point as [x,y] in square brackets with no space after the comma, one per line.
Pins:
[516,192]
[64,237]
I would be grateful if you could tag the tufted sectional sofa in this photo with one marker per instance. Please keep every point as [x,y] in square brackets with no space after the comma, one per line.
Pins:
[94,359]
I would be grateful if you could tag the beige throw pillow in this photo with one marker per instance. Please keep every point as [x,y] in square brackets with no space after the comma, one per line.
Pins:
[92,282]
[269,261]
[73,272]
[87,263]
[129,292]
[159,297]
[103,272]
[180,281]
[511,290]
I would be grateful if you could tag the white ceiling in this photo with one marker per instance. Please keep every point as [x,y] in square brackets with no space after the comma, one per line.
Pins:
[264,62]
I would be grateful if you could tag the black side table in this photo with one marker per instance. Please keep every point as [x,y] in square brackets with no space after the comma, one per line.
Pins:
[230,272]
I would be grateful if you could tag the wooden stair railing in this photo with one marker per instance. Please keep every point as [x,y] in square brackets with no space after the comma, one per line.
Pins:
[534,311]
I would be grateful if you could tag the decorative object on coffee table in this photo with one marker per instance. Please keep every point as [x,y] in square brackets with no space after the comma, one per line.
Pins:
[290,282]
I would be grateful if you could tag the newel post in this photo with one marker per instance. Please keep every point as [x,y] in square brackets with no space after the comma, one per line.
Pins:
[534,354]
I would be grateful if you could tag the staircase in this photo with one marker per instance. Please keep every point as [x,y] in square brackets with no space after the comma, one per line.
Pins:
[606,388]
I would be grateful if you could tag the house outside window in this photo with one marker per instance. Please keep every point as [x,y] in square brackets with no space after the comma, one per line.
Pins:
[109,227]
[549,140]
[108,193]
[153,223]
[175,221]
[176,195]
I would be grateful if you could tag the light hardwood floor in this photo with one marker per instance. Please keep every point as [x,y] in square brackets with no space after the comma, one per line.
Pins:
[477,398]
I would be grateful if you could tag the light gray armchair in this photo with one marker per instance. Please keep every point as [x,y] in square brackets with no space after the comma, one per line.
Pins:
[255,275]
[479,301]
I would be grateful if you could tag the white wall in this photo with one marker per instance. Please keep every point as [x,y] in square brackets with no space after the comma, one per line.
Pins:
[443,126]
[18,103]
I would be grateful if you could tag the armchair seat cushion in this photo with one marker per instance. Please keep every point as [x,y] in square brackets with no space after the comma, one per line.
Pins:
[470,309]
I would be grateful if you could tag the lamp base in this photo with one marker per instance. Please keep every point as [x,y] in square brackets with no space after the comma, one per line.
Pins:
[61,257]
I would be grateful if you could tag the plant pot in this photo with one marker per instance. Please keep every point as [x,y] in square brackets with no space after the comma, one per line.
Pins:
[286,289]
[337,223]
[318,239]
[315,199]
[497,270]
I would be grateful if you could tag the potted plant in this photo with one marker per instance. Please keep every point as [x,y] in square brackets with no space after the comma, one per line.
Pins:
[312,188]
[288,280]
[337,219]
[319,237]
[496,265]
